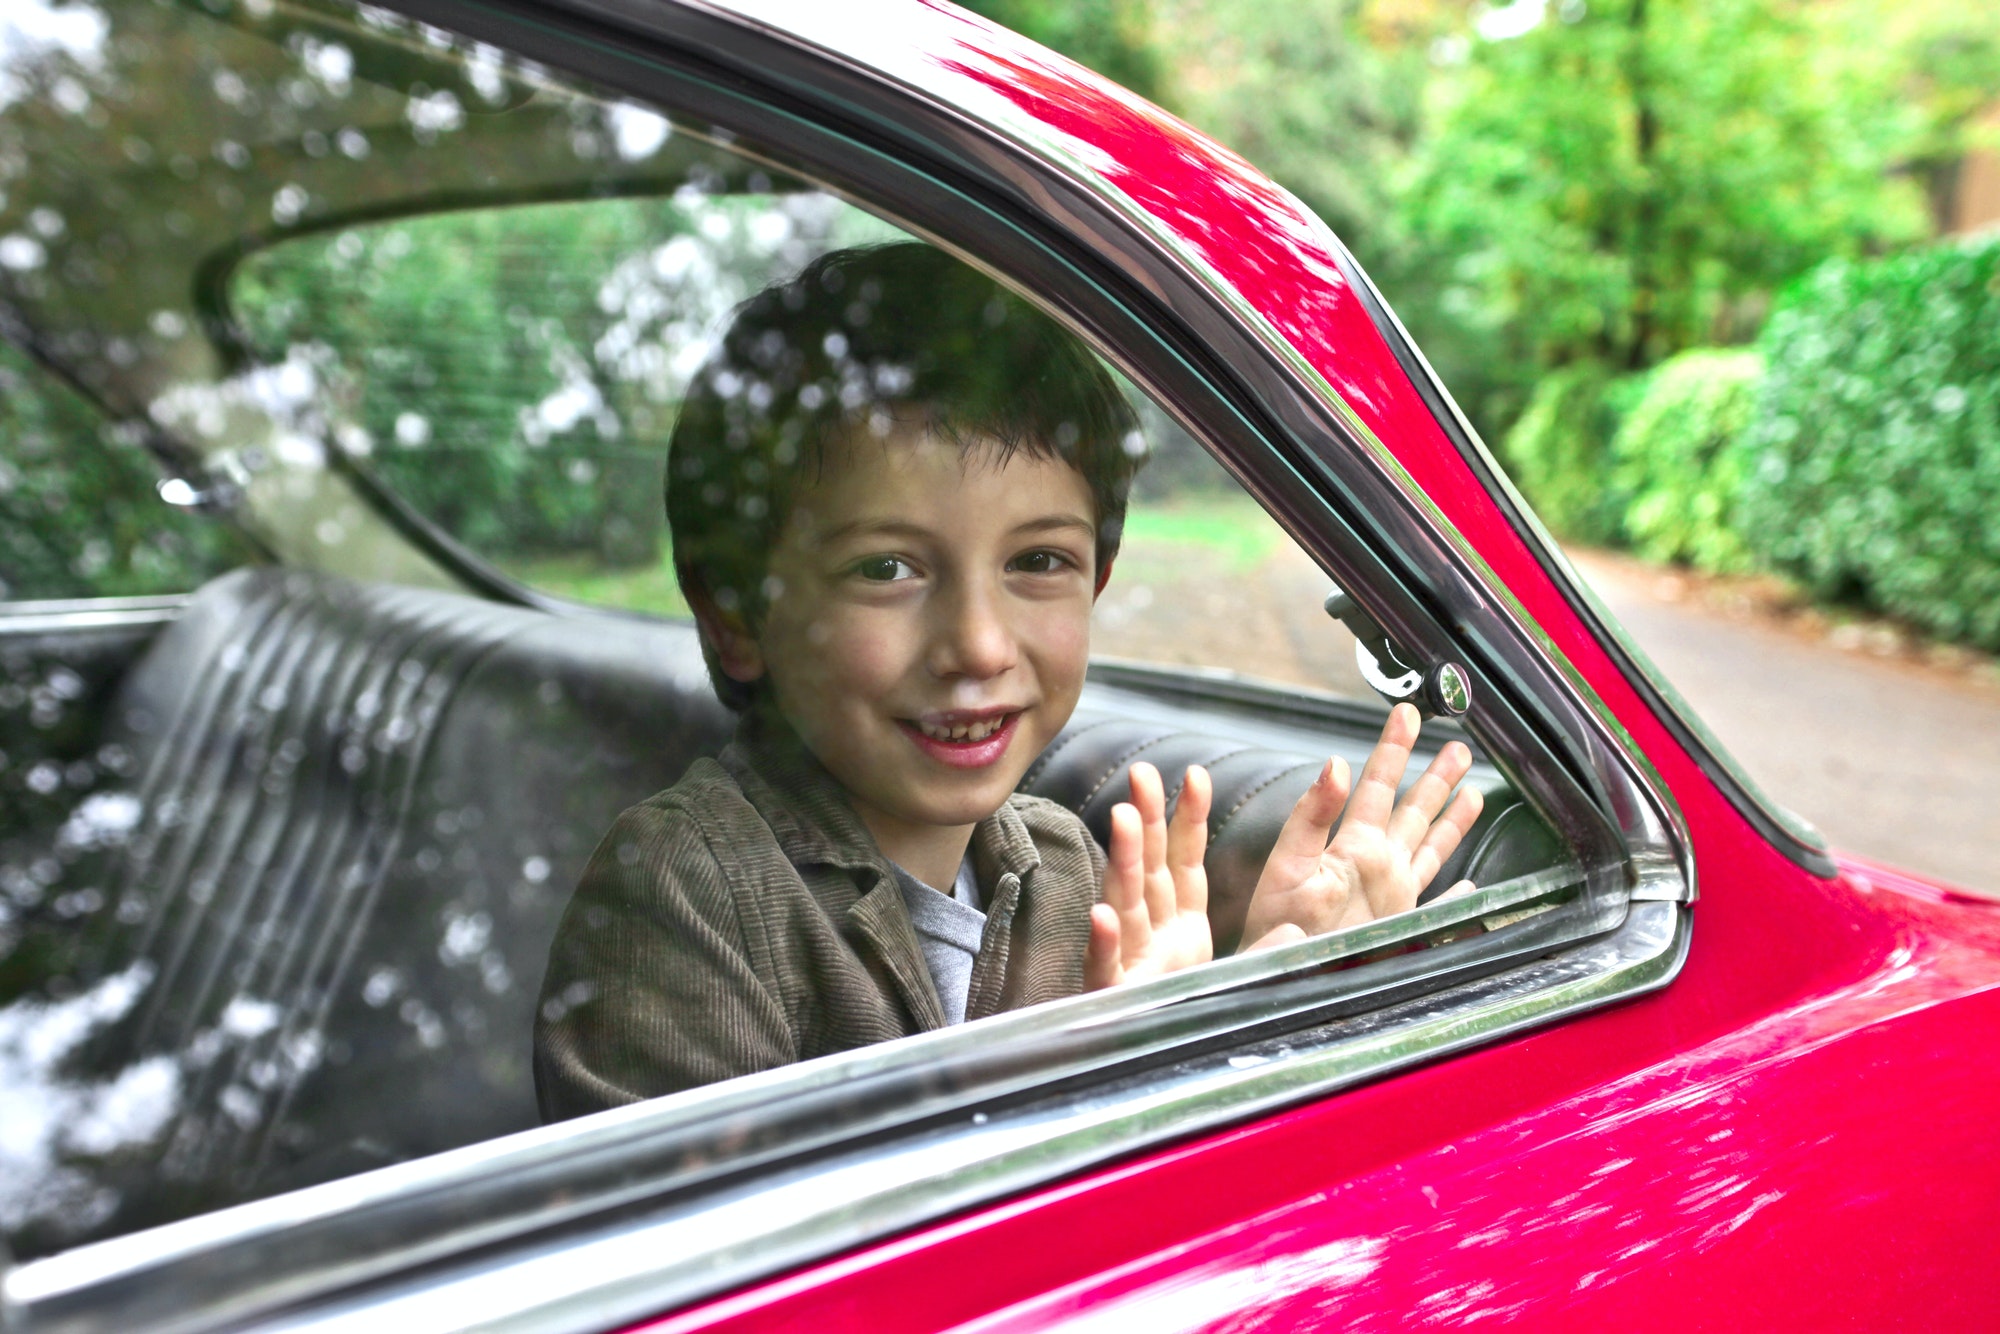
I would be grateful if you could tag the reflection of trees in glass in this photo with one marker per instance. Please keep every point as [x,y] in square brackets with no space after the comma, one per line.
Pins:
[79,516]
[513,373]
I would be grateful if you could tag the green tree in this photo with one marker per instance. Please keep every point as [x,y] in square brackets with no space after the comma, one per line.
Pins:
[79,513]
[1607,183]
[1626,179]
[1941,60]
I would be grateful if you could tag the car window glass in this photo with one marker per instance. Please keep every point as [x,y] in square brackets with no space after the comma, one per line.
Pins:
[1207,579]
[80,510]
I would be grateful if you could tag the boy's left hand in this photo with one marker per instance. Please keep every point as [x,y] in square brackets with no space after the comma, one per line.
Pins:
[1385,853]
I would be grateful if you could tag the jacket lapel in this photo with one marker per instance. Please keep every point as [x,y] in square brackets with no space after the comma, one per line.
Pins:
[1004,856]
[880,922]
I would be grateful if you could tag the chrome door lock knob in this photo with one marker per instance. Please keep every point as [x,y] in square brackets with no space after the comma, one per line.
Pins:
[1439,688]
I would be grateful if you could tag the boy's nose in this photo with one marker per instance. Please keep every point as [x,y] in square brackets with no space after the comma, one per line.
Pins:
[973,638]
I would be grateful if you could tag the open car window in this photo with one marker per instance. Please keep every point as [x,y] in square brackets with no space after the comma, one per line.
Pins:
[424,315]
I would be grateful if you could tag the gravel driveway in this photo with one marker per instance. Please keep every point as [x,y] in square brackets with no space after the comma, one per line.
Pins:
[1889,758]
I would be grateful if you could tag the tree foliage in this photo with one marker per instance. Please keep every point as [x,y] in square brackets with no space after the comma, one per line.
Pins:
[1558,453]
[1877,439]
[1629,178]
[1679,456]
[80,515]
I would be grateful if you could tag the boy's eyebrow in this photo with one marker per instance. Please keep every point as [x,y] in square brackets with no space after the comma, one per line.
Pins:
[894,527]
[1049,523]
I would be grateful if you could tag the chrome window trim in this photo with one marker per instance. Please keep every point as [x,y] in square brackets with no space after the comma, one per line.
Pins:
[355,1240]
[64,615]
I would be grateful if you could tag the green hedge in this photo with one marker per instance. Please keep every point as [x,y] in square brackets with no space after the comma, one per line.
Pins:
[1678,460]
[1877,439]
[1558,453]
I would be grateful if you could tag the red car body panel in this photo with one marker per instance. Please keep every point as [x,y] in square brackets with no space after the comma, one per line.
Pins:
[1739,1150]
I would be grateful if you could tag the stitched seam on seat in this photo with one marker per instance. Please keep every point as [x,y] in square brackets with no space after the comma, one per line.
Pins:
[1174,795]
[1249,796]
[1119,763]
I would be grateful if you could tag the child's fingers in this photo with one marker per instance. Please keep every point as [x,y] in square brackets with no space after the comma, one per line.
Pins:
[1304,835]
[1125,881]
[1374,797]
[1446,834]
[1420,805]
[1149,796]
[1187,841]
[1101,962]
[1462,887]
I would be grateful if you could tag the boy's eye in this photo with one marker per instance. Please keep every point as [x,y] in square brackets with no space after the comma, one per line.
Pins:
[884,569]
[1040,562]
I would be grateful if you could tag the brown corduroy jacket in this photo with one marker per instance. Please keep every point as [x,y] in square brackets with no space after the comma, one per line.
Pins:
[744,919]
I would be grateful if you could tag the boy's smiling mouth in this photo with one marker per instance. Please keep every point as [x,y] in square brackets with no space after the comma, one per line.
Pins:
[966,740]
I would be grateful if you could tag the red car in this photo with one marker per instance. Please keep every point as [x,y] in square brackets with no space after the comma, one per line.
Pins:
[396,305]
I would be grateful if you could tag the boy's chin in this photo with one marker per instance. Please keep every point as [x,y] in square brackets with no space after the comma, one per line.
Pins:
[970,804]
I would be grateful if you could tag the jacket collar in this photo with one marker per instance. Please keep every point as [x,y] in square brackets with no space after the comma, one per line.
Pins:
[808,811]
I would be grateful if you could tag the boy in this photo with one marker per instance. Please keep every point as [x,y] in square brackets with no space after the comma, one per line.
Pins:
[895,492]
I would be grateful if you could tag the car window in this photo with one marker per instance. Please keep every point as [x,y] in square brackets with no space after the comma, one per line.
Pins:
[80,509]
[1207,579]
[381,869]
[513,373]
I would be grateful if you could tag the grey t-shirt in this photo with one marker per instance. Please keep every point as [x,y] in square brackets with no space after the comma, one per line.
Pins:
[949,929]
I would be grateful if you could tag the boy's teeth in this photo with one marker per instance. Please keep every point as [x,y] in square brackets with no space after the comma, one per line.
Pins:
[962,731]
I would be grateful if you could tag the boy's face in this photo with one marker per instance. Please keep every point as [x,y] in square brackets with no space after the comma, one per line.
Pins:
[931,622]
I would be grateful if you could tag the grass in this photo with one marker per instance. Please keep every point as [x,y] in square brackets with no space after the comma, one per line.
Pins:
[1233,527]
[581,578]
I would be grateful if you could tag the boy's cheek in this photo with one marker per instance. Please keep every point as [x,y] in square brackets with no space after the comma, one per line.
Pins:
[1063,634]
[856,652]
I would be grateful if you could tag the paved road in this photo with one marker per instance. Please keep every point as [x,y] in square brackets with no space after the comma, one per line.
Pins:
[1890,759]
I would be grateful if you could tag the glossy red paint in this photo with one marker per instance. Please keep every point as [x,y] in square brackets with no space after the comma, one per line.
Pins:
[1727,1153]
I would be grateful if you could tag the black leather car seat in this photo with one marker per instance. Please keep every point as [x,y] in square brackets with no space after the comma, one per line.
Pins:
[360,814]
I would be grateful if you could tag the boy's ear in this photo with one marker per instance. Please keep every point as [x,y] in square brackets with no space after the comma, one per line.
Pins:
[1103,578]
[728,635]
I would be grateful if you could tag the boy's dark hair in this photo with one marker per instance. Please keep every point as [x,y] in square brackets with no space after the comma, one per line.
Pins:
[862,337]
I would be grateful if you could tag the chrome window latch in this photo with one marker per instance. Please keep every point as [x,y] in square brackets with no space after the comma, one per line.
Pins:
[1442,688]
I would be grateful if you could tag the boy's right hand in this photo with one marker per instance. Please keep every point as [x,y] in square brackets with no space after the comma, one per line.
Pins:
[1153,916]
